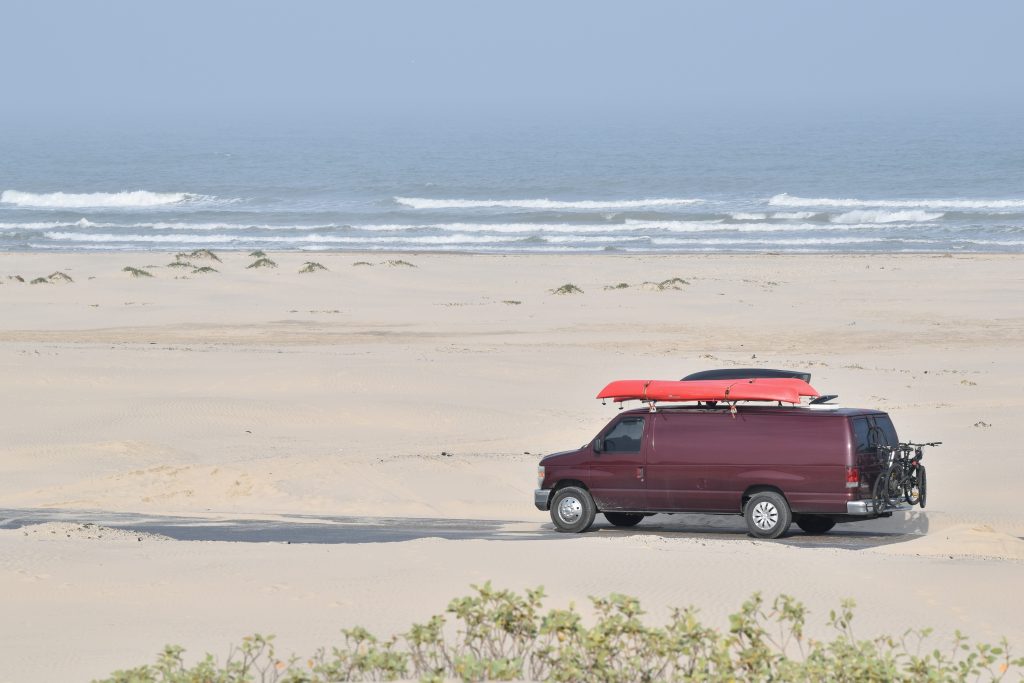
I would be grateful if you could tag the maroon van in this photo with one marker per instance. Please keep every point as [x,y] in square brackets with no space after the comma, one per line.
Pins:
[774,465]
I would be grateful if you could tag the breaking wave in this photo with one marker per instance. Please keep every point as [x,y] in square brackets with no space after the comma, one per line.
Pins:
[794,215]
[789,200]
[869,216]
[104,200]
[423,203]
[271,239]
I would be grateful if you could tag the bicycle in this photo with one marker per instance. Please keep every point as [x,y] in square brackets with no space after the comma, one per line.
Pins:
[904,477]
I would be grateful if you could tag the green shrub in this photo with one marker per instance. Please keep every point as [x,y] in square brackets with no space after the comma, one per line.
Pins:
[40,281]
[204,269]
[311,267]
[180,264]
[263,263]
[500,635]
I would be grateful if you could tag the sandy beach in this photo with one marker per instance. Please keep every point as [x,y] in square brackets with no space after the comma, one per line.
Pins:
[429,385]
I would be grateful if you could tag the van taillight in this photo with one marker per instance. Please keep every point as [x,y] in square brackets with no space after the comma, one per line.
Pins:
[852,477]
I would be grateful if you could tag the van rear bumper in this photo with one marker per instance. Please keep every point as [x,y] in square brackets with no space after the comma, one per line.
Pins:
[860,507]
[866,508]
[542,498]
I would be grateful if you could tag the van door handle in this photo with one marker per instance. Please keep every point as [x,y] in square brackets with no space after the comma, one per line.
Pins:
[640,473]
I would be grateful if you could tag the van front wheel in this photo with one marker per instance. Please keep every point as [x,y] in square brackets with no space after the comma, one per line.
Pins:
[573,509]
[767,515]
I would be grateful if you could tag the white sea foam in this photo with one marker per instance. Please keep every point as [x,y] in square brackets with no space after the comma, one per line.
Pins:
[794,215]
[688,226]
[604,239]
[425,203]
[808,241]
[789,200]
[749,216]
[879,216]
[274,239]
[94,200]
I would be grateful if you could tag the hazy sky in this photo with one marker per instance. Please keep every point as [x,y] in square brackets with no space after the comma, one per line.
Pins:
[69,60]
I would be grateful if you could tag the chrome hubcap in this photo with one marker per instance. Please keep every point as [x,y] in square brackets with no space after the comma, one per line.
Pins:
[765,515]
[570,510]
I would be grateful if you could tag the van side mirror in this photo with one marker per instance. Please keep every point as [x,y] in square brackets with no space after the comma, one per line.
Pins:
[598,445]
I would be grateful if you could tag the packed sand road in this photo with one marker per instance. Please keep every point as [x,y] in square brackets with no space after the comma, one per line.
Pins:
[430,392]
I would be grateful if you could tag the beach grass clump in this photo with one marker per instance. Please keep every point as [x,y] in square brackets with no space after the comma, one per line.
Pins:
[136,272]
[671,283]
[263,262]
[503,635]
[180,264]
[259,253]
[618,285]
[567,288]
[16,278]
[202,270]
[311,267]
[197,254]
[400,263]
[40,281]
[59,276]
[512,302]
[362,263]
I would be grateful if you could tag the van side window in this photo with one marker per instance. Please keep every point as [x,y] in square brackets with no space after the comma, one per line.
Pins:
[862,435]
[625,436]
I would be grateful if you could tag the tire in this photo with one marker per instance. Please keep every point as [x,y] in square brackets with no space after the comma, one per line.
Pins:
[768,515]
[623,518]
[878,493]
[815,524]
[922,485]
[572,509]
[912,487]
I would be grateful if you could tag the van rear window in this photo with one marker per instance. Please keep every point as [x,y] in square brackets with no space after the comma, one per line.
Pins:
[887,433]
[862,435]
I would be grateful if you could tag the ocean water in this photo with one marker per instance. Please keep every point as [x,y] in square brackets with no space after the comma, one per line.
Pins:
[807,185]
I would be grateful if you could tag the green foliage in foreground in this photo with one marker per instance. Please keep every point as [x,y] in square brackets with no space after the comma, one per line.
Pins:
[500,635]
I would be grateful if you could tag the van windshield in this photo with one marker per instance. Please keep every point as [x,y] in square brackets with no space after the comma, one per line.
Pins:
[625,436]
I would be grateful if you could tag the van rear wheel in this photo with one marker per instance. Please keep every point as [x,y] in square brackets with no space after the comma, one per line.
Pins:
[623,518]
[572,509]
[768,515]
[814,524]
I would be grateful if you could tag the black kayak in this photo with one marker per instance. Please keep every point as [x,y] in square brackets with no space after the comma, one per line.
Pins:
[747,373]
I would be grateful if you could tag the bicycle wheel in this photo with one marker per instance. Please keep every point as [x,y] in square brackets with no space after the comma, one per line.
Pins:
[912,487]
[922,484]
[878,492]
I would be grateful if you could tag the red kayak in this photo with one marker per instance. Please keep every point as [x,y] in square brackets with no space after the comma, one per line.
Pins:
[787,390]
